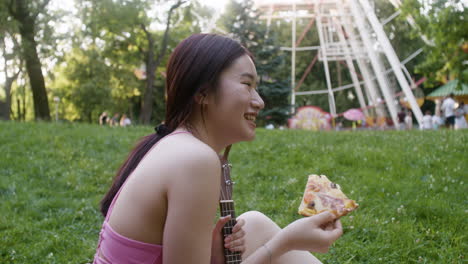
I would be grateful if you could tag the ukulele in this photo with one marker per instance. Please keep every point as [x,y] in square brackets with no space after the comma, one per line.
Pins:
[226,206]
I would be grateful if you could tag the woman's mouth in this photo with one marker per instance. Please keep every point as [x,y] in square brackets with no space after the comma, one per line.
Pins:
[250,117]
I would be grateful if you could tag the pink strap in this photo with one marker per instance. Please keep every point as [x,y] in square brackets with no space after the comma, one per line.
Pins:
[118,193]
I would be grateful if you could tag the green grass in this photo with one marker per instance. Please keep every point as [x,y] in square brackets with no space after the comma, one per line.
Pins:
[411,187]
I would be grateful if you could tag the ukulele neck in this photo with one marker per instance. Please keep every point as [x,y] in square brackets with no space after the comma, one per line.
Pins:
[227,208]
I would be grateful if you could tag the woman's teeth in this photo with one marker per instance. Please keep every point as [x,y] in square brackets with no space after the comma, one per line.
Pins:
[250,117]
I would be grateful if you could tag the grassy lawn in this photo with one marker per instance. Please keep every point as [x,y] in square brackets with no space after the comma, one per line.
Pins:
[411,187]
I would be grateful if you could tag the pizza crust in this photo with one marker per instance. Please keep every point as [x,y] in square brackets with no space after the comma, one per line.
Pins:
[323,195]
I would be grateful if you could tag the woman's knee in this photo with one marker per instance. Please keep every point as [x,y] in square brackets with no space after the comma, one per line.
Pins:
[258,230]
[256,219]
[259,225]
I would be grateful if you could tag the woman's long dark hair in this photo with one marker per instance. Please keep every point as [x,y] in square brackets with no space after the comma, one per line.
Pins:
[194,67]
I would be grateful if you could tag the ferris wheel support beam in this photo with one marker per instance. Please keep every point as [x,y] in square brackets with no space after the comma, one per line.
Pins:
[376,65]
[351,68]
[293,60]
[369,85]
[323,50]
[393,59]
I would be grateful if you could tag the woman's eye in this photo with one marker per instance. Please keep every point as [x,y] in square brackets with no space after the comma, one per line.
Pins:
[248,84]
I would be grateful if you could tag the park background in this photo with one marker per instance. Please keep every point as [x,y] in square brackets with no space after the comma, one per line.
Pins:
[68,61]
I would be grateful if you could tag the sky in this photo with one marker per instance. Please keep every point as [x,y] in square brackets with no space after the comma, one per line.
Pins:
[216,4]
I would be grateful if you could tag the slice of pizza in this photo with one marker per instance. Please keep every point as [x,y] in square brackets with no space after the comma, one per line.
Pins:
[323,195]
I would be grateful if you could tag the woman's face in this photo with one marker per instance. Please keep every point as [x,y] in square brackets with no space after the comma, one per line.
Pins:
[232,110]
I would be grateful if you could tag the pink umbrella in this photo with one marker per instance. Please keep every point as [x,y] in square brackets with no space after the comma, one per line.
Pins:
[354,114]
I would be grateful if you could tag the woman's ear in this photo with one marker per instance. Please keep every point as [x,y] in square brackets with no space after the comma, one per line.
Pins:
[200,98]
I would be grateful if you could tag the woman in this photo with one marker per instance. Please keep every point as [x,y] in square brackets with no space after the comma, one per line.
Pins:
[162,203]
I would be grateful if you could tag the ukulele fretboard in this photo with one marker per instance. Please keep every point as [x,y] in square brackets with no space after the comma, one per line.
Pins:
[227,208]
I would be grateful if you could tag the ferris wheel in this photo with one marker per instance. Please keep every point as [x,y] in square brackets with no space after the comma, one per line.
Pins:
[350,33]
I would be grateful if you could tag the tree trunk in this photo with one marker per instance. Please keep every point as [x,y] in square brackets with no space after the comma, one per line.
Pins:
[147,103]
[8,84]
[152,65]
[18,108]
[33,64]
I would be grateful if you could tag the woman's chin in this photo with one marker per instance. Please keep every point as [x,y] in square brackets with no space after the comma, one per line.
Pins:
[250,136]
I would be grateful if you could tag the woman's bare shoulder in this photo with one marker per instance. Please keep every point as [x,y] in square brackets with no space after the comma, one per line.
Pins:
[187,148]
[182,154]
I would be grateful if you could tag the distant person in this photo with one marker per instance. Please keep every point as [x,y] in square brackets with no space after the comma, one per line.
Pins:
[460,121]
[437,121]
[339,126]
[382,122]
[448,107]
[427,121]
[125,121]
[401,119]
[103,118]
[114,120]
[409,121]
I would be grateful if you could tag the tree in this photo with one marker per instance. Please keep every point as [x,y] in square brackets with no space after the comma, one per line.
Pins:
[244,23]
[11,58]
[152,63]
[124,29]
[8,59]
[89,83]
[444,22]
[25,13]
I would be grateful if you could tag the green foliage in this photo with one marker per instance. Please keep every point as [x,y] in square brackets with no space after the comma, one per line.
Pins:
[445,23]
[410,186]
[85,83]
[400,34]
[116,30]
[244,23]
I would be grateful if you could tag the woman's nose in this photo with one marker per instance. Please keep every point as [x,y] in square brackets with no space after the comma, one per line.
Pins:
[257,101]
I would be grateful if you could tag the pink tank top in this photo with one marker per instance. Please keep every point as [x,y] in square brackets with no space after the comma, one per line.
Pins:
[115,248]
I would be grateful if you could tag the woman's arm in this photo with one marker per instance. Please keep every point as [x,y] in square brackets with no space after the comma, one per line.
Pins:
[316,233]
[192,194]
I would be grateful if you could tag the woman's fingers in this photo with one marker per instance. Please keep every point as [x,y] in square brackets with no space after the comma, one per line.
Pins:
[236,245]
[237,231]
[235,241]
[338,231]
[235,236]
[221,222]
[324,217]
[238,226]
[238,249]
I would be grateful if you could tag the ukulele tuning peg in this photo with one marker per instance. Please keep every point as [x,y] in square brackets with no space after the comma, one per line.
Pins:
[229,182]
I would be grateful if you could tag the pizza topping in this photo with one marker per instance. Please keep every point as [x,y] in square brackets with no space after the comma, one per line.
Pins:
[330,202]
[309,197]
[313,187]
[323,195]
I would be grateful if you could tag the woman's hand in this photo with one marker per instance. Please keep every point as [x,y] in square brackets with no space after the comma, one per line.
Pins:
[234,242]
[315,233]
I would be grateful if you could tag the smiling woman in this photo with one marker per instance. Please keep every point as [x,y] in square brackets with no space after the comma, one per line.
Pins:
[163,199]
